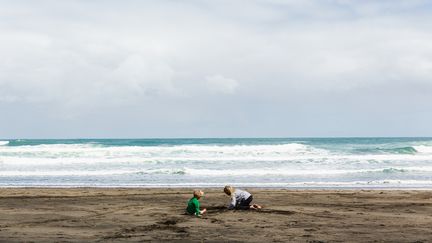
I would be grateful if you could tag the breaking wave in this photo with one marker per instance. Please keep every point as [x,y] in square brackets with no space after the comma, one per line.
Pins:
[423,149]
[214,172]
[256,162]
[2,143]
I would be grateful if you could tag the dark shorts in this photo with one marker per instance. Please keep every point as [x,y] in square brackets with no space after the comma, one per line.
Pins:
[245,204]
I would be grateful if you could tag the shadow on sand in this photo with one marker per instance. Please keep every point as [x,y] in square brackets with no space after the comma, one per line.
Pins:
[221,209]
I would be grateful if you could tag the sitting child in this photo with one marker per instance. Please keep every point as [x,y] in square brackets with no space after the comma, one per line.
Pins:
[240,199]
[193,207]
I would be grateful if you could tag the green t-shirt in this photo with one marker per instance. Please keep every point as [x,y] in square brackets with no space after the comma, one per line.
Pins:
[193,206]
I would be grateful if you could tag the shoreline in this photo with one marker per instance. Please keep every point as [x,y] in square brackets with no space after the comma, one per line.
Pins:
[216,187]
[144,214]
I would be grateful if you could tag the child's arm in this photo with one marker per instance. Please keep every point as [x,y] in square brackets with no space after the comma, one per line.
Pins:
[197,208]
[233,202]
[197,211]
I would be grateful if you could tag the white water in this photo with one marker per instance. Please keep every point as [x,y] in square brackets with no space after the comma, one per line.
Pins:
[291,164]
[4,143]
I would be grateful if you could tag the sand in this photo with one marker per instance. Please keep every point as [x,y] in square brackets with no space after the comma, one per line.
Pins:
[113,215]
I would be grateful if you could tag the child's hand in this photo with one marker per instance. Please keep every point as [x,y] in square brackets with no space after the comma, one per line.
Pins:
[203,211]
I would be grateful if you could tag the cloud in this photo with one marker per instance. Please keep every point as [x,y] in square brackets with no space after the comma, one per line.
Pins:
[221,84]
[173,59]
[144,76]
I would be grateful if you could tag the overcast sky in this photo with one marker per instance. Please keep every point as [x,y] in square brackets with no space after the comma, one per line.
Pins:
[216,68]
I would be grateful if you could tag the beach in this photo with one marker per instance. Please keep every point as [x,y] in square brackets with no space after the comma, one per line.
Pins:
[139,214]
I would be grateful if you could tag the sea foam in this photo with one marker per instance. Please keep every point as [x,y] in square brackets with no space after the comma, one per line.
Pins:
[2,143]
[261,162]
[423,149]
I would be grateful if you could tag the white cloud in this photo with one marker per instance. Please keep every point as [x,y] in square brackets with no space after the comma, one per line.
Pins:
[144,76]
[162,55]
[219,83]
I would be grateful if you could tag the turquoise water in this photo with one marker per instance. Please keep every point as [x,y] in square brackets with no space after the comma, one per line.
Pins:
[250,162]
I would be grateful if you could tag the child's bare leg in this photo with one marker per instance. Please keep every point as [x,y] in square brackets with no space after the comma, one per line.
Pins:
[256,206]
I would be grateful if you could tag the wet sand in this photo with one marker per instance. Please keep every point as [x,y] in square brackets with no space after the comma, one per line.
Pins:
[113,215]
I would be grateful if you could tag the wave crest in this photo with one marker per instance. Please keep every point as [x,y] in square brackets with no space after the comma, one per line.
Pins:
[2,143]
[424,149]
[214,172]
[402,150]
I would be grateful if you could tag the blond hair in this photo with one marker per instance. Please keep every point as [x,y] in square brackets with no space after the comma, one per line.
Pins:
[229,190]
[198,193]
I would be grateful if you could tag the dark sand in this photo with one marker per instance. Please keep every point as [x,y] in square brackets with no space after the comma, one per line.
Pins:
[112,215]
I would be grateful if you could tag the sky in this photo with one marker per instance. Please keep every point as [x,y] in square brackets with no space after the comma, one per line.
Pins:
[215,68]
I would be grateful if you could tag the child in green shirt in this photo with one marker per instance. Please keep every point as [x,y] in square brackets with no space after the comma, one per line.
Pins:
[193,207]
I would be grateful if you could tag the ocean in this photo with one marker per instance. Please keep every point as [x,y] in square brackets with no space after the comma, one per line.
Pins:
[208,162]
